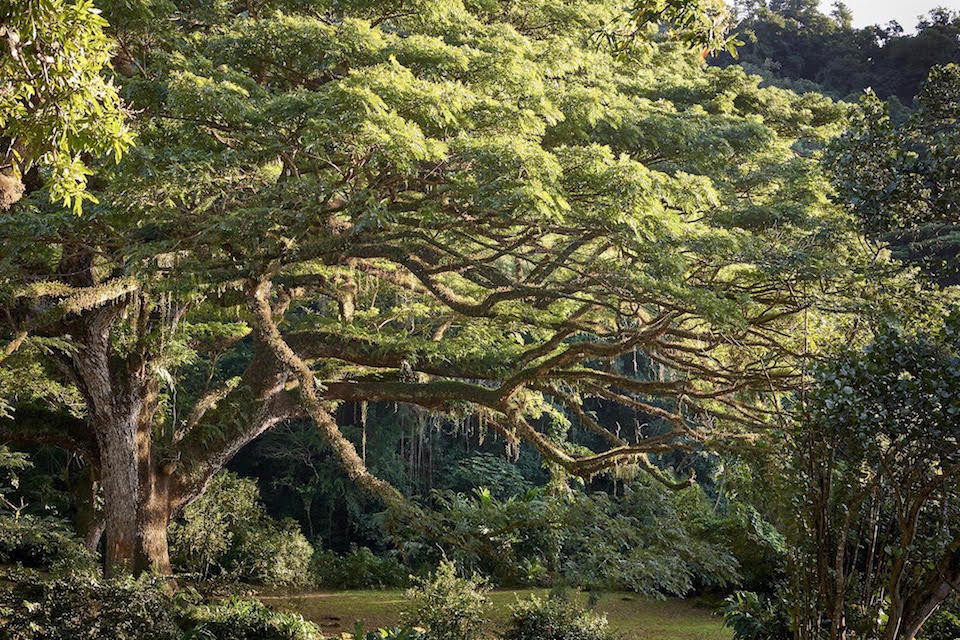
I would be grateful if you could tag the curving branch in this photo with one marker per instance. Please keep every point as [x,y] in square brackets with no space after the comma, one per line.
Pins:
[352,464]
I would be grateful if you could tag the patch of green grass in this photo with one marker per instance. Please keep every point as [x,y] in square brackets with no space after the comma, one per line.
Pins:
[635,618]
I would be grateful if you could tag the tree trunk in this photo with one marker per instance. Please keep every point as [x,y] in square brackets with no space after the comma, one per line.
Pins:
[91,540]
[927,600]
[153,520]
[138,510]
[121,494]
[136,490]
[153,510]
[894,619]
[142,489]
[84,488]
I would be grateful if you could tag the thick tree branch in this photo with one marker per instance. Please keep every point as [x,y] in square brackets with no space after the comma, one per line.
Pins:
[342,448]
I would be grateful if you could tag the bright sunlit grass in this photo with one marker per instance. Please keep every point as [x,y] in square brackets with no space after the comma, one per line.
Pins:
[634,617]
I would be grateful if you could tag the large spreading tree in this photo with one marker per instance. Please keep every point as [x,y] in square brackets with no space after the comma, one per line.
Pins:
[474,208]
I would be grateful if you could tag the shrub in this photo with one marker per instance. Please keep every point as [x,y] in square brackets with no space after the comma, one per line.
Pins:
[245,619]
[647,541]
[227,530]
[43,543]
[393,633]
[81,607]
[450,607]
[756,617]
[513,541]
[201,538]
[85,608]
[274,553]
[359,568]
[759,548]
[556,618]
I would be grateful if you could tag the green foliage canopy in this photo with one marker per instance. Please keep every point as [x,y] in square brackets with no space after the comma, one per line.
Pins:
[56,105]
[902,180]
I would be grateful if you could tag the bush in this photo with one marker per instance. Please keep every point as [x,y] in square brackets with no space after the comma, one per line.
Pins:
[450,607]
[85,608]
[43,543]
[650,540]
[760,550]
[556,618]
[246,619]
[756,617]
[514,541]
[202,537]
[394,633]
[359,568]
[227,531]
[81,607]
[273,553]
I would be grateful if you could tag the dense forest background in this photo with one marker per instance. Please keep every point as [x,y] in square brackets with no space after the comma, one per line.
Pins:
[793,44]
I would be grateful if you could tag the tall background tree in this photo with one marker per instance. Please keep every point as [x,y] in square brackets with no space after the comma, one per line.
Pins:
[902,179]
[793,43]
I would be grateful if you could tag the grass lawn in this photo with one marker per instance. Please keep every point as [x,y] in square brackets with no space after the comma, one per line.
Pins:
[633,617]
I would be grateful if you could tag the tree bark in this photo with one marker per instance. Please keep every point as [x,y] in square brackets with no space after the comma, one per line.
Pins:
[122,398]
[137,505]
[153,509]
[928,598]
[152,522]
[121,494]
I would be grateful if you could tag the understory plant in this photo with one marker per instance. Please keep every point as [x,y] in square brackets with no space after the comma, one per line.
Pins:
[245,619]
[83,607]
[45,543]
[448,606]
[392,633]
[754,616]
[228,532]
[650,540]
[555,618]
[358,568]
